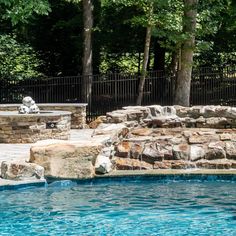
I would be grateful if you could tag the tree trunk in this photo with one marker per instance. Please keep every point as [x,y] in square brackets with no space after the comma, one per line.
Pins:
[159,56]
[139,62]
[173,68]
[182,95]
[96,41]
[87,70]
[144,66]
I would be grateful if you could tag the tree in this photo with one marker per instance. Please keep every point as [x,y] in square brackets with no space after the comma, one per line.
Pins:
[121,42]
[87,50]
[182,95]
[58,38]
[149,10]
[20,11]
[17,61]
[147,19]
[217,25]
[87,68]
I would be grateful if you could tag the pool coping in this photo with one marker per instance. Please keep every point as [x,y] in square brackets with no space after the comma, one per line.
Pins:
[121,173]
[6,184]
[18,184]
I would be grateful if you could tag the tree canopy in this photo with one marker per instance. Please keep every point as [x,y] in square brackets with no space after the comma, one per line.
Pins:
[50,35]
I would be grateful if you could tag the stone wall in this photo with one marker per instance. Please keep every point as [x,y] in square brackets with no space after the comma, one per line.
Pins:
[176,116]
[29,128]
[78,111]
[175,137]
[177,148]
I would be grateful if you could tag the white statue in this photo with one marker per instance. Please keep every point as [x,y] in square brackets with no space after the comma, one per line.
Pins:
[23,109]
[28,106]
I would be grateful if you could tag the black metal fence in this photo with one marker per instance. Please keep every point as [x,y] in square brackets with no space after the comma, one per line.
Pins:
[214,86]
[112,91]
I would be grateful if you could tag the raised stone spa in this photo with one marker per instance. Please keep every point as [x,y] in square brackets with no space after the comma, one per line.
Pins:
[29,125]
[78,111]
[29,128]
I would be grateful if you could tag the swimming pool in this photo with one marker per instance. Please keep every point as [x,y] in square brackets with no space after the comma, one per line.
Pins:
[133,206]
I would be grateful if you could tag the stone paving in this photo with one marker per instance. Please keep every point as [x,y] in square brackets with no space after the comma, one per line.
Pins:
[22,151]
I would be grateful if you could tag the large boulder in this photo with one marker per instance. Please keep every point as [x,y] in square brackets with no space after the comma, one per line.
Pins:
[166,121]
[71,160]
[21,170]
[128,114]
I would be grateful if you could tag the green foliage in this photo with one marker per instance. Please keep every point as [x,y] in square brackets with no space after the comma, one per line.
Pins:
[73,1]
[119,63]
[119,31]
[21,11]
[58,38]
[17,61]
[119,40]
[217,32]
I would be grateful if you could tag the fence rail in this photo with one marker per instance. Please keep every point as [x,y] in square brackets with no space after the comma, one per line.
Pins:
[112,91]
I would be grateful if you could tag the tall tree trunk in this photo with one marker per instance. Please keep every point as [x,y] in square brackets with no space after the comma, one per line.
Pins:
[159,56]
[173,68]
[144,66]
[87,70]
[182,95]
[96,41]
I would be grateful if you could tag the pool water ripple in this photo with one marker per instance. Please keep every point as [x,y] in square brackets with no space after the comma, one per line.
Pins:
[122,208]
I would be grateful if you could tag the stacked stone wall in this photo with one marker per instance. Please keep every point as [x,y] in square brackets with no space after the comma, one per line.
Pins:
[176,137]
[78,111]
[29,128]
[176,116]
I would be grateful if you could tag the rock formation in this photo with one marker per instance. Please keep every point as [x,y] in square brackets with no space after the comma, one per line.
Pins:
[175,137]
[151,137]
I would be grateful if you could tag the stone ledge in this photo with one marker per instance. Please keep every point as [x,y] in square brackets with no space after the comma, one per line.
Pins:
[123,173]
[13,184]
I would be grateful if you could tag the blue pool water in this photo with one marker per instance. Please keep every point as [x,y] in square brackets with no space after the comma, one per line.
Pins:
[128,207]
